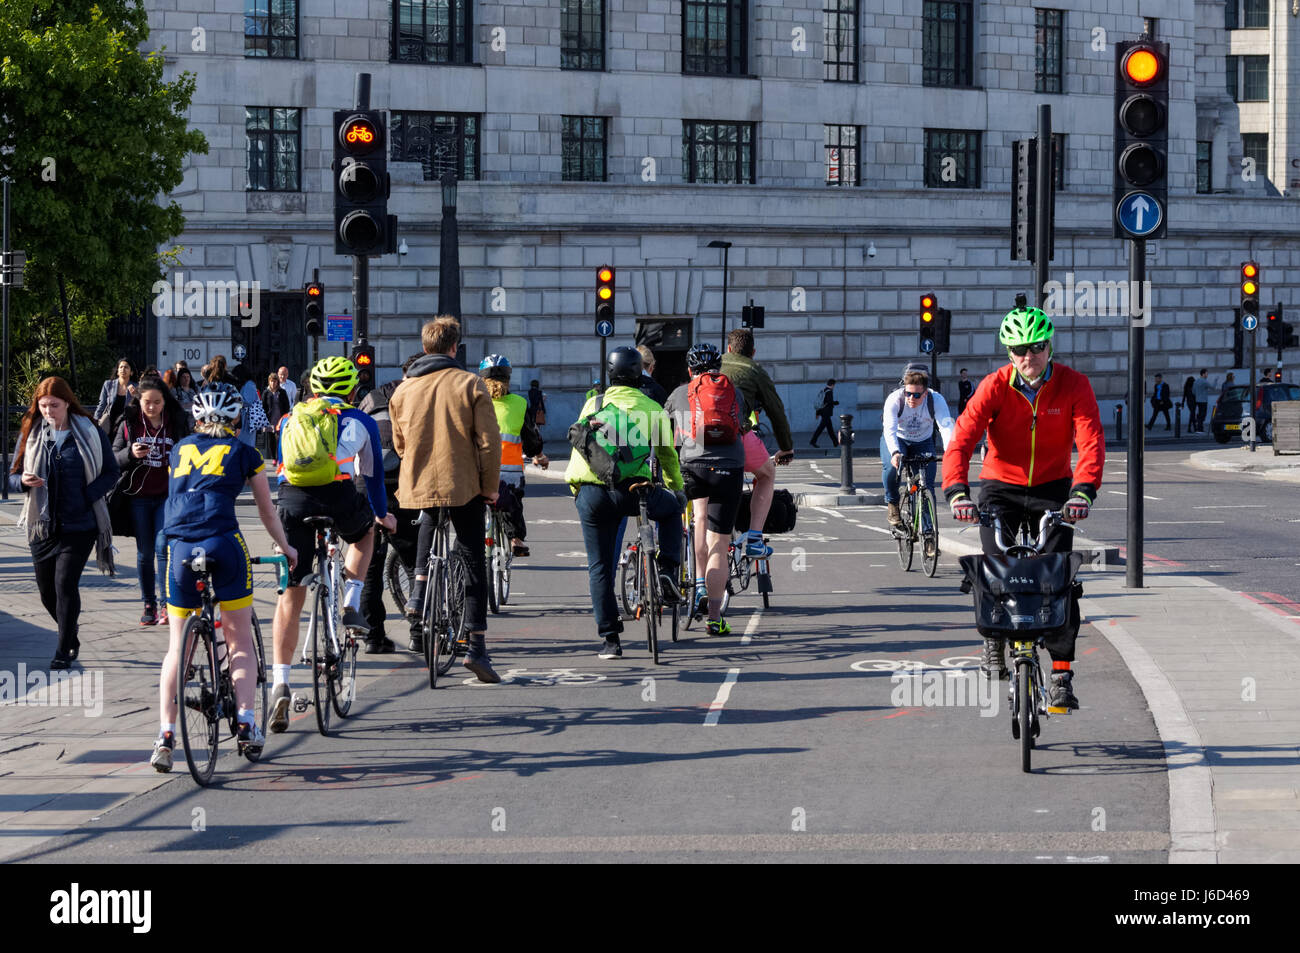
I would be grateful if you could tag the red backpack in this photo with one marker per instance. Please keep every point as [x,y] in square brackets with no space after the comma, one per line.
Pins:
[715,409]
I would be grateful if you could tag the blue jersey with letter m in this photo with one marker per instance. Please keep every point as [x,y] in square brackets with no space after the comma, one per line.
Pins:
[207,474]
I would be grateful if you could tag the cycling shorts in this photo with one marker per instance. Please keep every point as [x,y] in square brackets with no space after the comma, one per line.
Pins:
[353,518]
[756,455]
[721,487]
[232,578]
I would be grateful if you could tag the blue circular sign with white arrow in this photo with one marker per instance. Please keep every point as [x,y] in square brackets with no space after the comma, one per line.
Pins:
[604,328]
[1250,321]
[927,346]
[1139,214]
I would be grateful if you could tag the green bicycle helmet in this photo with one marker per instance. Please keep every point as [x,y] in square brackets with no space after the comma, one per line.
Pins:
[335,376]
[1025,326]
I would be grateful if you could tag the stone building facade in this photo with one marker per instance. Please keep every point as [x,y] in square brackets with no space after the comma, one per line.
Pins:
[839,268]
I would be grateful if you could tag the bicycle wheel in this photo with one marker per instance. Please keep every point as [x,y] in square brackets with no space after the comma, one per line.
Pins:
[1025,701]
[344,690]
[629,592]
[649,576]
[492,547]
[199,705]
[904,536]
[262,690]
[505,558]
[929,533]
[433,613]
[318,635]
[398,579]
[451,637]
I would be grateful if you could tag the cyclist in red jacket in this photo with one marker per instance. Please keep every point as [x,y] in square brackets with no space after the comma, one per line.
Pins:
[1035,411]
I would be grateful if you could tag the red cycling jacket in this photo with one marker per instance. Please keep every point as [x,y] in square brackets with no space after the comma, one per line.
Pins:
[1029,443]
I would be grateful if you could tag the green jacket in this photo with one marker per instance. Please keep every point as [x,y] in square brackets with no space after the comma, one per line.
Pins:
[633,402]
[752,381]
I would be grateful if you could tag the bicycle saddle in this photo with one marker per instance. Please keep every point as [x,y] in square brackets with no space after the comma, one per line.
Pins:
[321,522]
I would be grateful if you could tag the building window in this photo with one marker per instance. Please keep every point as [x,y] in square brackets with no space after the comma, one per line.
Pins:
[1204,150]
[1254,79]
[271,28]
[948,43]
[440,142]
[952,159]
[721,152]
[1058,160]
[582,34]
[1049,51]
[1254,145]
[1254,14]
[842,156]
[840,41]
[583,148]
[274,149]
[1230,69]
[714,37]
[432,31]
[1231,20]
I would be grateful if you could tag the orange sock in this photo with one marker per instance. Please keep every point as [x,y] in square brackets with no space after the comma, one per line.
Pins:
[1060,666]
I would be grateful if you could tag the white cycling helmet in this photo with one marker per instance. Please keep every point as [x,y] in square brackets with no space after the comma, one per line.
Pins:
[217,403]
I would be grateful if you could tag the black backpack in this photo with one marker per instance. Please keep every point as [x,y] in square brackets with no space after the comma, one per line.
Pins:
[781,516]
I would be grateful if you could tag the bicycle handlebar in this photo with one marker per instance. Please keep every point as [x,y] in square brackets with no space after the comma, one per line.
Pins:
[281,569]
[1051,519]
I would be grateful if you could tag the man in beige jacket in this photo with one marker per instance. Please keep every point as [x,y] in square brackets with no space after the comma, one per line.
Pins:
[445,431]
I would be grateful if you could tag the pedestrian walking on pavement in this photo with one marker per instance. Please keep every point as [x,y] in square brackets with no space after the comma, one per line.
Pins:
[65,466]
[184,390]
[537,403]
[1160,403]
[113,396]
[288,386]
[1201,394]
[1189,402]
[142,445]
[826,405]
[965,388]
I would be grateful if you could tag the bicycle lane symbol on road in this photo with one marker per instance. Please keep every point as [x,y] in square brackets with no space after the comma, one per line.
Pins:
[543,677]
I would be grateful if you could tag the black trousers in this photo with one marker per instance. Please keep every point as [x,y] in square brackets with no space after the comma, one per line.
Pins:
[59,565]
[372,591]
[1156,411]
[467,521]
[1019,504]
[828,427]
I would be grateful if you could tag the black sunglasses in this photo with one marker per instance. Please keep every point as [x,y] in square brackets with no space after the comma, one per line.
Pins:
[1020,350]
[914,394]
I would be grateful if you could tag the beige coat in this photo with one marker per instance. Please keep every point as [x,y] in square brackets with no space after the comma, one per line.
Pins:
[445,431]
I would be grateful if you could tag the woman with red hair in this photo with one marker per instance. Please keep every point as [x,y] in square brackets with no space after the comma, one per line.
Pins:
[65,466]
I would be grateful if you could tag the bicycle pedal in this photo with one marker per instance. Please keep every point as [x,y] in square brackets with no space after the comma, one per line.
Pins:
[300,702]
[1057,710]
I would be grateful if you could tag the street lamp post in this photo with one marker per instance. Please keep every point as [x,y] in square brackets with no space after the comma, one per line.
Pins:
[449,253]
[726,251]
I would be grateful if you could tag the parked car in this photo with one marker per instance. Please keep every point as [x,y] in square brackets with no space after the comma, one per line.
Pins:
[1225,421]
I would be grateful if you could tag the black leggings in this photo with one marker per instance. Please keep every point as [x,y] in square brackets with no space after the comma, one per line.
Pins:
[58,576]
[467,521]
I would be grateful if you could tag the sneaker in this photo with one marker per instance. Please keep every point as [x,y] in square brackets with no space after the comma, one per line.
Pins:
[162,752]
[353,619]
[414,609]
[416,642]
[613,648]
[668,584]
[380,646]
[150,615]
[162,615]
[701,601]
[718,627]
[993,662]
[280,699]
[895,517]
[1061,697]
[250,738]
[930,547]
[519,550]
[757,549]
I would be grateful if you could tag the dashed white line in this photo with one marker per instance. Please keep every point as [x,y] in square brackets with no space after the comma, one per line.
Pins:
[752,627]
[724,692]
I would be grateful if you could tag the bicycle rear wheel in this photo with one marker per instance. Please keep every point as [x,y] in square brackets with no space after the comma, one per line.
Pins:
[197,695]
[929,533]
[1026,701]
[344,690]
[398,578]
[629,592]
[262,690]
[904,535]
[492,547]
[649,576]
[433,611]
[451,637]
[505,556]
[318,633]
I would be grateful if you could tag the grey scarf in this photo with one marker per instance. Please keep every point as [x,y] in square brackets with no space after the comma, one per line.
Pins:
[36,514]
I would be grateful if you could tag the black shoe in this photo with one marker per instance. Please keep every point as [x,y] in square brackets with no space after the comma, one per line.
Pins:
[1060,699]
[613,648]
[416,642]
[380,646]
[353,619]
[150,615]
[61,661]
[668,584]
[813,443]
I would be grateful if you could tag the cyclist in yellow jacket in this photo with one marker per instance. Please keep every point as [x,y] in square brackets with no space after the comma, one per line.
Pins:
[519,439]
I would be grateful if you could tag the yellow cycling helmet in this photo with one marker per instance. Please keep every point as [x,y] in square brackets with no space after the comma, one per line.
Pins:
[335,376]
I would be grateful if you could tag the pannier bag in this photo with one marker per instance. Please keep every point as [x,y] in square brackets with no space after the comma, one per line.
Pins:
[780,517]
[1016,596]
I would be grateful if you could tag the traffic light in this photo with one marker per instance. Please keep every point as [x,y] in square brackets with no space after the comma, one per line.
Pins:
[1273,328]
[363,356]
[1250,288]
[753,316]
[314,308]
[605,293]
[362,225]
[929,324]
[942,330]
[1141,138]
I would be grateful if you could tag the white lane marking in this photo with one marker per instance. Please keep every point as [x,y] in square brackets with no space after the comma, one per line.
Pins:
[836,592]
[1125,493]
[715,707]
[1232,506]
[1179,522]
[752,627]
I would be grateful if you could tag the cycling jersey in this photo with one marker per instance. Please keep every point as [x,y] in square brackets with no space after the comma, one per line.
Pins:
[359,453]
[1030,437]
[207,473]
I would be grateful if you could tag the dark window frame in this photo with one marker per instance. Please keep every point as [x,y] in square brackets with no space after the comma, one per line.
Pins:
[460,47]
[468,163]
[856,148]
[272,137]
[735,59]
[1231,15]
[1048,38]
[934,152]
[1254,14]
[581,140]
[1257,73]
[1232,72]
[266,34]
[960,71]
[691,129]
[573,57]
[1205,164]
[1058,160]
[836,11]
[1256,138]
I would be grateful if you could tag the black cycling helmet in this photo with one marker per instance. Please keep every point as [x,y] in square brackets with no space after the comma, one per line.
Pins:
[703,357]
[624,366]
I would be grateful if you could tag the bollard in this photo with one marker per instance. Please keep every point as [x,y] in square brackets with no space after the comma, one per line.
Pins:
[1178,420]
[1119,423]
[846,455]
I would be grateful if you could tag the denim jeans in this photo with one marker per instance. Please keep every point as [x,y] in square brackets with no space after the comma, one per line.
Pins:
[147,518]
[600,511]
[889,474]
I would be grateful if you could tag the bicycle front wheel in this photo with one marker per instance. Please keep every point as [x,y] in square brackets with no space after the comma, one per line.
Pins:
[1026,701]
[492,547]
[434,610]
[906,542]
[262,690]
[318,634]
[629,592]
[344,690]
[929,534]
[398,578]
[451,634]
[198,699]
[649,576]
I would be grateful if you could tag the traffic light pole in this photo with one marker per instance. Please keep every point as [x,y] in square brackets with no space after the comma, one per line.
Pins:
[1250,390]
[1137,272]
[1043,210]
[361,263]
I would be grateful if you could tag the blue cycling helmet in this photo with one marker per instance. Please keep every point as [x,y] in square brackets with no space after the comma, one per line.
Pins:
[495,367]
[703,357]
